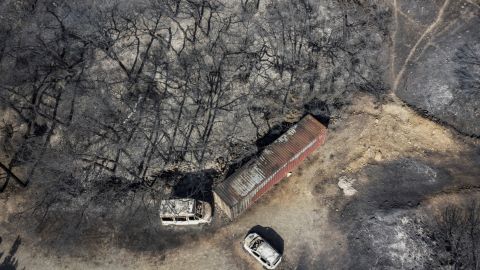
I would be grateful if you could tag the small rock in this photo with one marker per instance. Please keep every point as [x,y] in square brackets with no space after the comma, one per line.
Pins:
[346,184]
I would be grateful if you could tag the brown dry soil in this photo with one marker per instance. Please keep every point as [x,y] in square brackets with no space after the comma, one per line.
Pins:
[309,210]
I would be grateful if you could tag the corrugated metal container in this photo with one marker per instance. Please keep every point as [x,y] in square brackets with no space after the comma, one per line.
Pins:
[245,186]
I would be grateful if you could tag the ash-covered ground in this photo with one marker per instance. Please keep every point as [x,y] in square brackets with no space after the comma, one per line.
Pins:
[374,201]
[396,185]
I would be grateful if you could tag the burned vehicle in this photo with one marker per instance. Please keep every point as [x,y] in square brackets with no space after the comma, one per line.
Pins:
[185,212]
[262,251]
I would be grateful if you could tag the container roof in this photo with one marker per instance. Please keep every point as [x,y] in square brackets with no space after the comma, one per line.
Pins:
[273,157]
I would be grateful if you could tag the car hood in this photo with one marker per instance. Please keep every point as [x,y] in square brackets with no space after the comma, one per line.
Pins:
[268,253]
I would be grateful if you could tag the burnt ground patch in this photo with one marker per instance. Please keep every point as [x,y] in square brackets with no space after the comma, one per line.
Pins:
[381,228]
[401,184]
[443,82]
[119,214]
[84,227]
[386,223]
[80,221]
[155,239]
[134,227]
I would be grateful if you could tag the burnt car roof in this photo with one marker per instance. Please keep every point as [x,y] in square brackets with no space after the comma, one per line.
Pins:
[177,207]
[266,251]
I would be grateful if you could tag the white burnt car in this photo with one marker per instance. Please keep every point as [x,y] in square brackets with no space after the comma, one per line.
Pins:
[262,251]
[185,212]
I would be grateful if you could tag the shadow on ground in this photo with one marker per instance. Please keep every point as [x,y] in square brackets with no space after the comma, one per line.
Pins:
[196,185]
[9,262]
[270,235]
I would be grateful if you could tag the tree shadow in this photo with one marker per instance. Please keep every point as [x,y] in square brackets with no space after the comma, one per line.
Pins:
[196,185]
[270,235]
[9,261]
[274,133]
[318,109]
[315,107]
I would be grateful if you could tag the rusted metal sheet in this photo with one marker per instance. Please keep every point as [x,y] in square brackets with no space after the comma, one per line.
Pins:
[246,185]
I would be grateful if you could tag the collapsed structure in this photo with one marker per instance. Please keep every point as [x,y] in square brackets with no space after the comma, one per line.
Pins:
[245,186]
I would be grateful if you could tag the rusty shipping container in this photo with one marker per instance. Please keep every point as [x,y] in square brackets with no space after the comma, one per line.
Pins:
[245,186]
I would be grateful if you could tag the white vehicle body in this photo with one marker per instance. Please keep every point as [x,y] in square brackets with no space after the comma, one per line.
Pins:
[262,251]
[185,212]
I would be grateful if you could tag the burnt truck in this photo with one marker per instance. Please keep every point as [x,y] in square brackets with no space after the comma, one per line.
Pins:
[239,191]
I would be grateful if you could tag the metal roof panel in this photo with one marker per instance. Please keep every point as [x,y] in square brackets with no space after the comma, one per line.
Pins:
[272,159]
